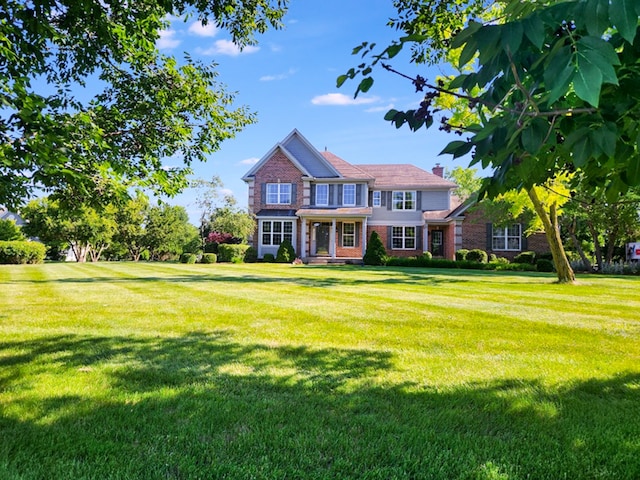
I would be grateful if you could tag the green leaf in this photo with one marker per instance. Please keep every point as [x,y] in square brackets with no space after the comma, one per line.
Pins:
[487,40]
[457,148]
[625,18]
[601,54]
[587,82]
[512,33]
[558,74]
[393,50]
[605,138]
[533,136]
[596,16]
[341,79]
[390,115]
[365,84]
[581,151]
[461,38]
[468,52]
[534,30]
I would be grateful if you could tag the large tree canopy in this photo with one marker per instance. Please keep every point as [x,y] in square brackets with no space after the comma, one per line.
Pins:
[57,132]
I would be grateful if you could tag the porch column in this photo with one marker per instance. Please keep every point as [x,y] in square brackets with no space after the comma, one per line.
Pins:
[303,240]
[425,238]
[364,236]
[333,239]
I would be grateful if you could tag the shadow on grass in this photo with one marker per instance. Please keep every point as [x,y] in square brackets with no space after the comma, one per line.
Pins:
[205,406]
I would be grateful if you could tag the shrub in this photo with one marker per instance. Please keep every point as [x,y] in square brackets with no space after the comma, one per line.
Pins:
[515,267]
[476,255]
[269,258]
[188,258]
[376,254]
[231,253]
[10,232]
[251,255]
[286,252]
[498,260]
[209,258]
[426,256]
[544,265]
[525,257]
[462,254]
[19,252]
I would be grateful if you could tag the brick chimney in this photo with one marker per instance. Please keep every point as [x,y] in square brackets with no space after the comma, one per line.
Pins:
[438,170]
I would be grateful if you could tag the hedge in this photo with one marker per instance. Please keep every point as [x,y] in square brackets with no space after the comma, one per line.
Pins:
[20,252]
[228,252]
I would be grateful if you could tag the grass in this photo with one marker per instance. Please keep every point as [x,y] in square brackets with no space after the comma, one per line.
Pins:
[167,371]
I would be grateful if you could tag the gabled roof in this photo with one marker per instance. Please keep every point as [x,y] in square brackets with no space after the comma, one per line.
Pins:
[347,170]
[404,176]
[302,154]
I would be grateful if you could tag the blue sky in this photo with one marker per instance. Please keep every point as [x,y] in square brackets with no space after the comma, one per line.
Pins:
[289,80]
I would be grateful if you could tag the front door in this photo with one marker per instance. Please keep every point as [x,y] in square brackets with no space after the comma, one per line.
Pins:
[437,243]
[322,239]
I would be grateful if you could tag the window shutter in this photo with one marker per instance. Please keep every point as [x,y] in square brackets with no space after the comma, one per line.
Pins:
[263,193]
[358,195]
[489,236]
[294,191]
[389,200]
[370,202]
[418,200]
[339,234]
[340,188]
[524,243]
[383,199]
[357,226]
[389,234]
[419,230]
[313,194]
[332,189]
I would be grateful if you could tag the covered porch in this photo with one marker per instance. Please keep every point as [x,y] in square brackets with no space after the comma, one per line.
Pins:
[333,235]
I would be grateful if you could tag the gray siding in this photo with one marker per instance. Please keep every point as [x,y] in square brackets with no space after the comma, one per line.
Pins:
[435,200]
[335,195]
[307,159]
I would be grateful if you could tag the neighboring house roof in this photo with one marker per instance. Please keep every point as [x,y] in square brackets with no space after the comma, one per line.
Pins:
[404,176]
[302,154]
[345,168]
[335,212]
[8,215]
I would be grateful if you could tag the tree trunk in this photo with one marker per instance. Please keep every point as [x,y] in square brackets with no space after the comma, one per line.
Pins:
[550,223]
[596,244]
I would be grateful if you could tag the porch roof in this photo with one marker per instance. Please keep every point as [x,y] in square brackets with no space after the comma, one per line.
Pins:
[344,212]
[275,213]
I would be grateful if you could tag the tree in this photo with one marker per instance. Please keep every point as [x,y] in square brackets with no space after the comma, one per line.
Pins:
[467,179]
[231,220]
[169,233]
[9,231]
[130,226]
[553,85]
[146,108]
[207,199]
[84,229]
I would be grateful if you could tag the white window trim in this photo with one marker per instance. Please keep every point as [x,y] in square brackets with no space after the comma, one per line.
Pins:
[376,199]
[404,200]
[282,233]
[325,186]
[344,203]
[349,235]
[404,237]
[505,238]
[279,194]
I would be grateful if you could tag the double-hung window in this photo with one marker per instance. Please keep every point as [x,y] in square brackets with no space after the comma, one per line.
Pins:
[348,234]
[349,194]
[274,232]
[279,193]
[322,194]
[507,238]
[403,238]
[404,200]
[376,198]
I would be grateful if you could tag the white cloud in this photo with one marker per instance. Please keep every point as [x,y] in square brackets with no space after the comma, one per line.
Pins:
[208,30]
[281,76]
[342,99]
[167,40]
[249,161]
[226,47]
[379,109]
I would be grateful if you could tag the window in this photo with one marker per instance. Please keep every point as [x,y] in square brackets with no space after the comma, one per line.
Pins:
[279,193]
[404,200]
[377,198]
[349,194]
[275,231]
[507,238]
[348,234]
[322,194]
[403,238]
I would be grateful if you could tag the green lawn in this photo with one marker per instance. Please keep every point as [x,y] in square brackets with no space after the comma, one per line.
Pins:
[167,371]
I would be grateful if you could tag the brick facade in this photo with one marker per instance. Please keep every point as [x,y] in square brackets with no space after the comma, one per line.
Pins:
[278,169]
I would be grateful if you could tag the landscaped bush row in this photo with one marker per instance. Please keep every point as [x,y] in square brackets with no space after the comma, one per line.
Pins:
[20,252]
[459,264]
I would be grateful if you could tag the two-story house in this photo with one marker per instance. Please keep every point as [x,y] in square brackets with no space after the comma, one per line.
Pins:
[328,207]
